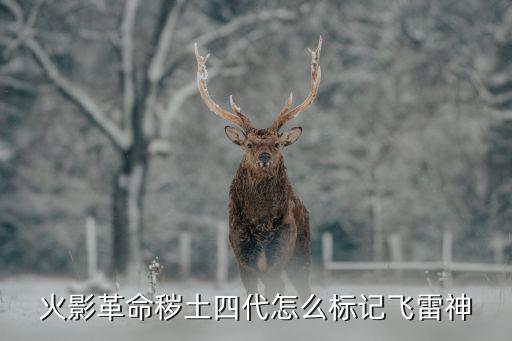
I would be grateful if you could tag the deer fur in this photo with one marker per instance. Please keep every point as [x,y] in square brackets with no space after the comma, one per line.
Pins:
[269,228]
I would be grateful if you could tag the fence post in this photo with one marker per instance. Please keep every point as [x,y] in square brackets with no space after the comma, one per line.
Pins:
[91,247]
[447,257]
[396,250]
[185,248]
[221,271]
[327,251]
[498,244]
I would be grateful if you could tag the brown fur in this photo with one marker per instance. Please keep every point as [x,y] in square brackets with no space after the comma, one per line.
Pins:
[269,225]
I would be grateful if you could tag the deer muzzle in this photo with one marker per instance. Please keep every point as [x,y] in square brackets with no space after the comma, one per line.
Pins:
[264,159]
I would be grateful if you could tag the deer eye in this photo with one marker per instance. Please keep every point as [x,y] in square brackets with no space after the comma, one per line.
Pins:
[249,145]
[277,145]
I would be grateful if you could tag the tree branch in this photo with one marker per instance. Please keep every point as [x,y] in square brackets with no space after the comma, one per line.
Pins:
[178,98]
[494,101]
[165,37]
[160,145]
[14,8]
[18,29]
[76,95]
[16,83]
[154,71]
[128,74]
[227,30]
[182,94]
[249,19]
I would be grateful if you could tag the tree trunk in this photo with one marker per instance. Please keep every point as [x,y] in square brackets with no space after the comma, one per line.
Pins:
[127,214]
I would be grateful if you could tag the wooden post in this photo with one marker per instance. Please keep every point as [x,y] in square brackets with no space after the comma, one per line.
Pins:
[91,247]
[185,249]
[221,273]
[327,251]
[378,228]
[396,250]
[395,247]
[447,257]
[498,245]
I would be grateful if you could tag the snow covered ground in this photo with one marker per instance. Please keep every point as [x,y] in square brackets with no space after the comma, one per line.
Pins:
[21,307]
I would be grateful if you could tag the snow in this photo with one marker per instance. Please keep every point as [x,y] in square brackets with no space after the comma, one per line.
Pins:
[21,308]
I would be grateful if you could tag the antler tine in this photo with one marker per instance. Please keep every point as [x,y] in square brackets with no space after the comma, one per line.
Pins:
[246,123]
[287,105]
[235,108]
[202,75]
[287,113]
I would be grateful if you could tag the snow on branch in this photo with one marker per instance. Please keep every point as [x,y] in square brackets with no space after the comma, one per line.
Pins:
[14,8]
[156,67]
[229,29]
[245,20]
[127,26]
[84,102]
[171,110]
[87,106]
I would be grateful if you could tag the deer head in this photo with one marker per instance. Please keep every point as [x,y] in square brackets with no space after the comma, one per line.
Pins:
[262,147]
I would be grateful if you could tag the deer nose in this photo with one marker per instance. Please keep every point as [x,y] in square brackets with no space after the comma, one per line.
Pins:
[264,157]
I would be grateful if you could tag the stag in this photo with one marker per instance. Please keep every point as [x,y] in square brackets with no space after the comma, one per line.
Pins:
[268,224]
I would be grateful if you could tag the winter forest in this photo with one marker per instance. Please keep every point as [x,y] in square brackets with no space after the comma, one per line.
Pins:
[410,137]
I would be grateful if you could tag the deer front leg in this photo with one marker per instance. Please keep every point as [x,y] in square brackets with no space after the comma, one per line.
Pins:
[278,252]
[245,250]
[249,278]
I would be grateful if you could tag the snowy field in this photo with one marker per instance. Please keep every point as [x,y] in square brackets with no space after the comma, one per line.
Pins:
[21,308]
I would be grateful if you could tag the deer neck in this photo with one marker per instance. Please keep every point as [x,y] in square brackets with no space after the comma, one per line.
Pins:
[264,195]
[255,177]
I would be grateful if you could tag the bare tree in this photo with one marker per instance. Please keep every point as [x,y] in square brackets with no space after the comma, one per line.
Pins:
[141,131]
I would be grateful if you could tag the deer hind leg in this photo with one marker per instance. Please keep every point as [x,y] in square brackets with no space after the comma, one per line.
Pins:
[299,267]
[298,273]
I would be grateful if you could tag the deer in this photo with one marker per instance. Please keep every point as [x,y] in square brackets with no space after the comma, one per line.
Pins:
[269,229]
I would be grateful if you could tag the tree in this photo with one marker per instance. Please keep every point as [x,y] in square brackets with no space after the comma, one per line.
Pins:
[494,81]
[140,129]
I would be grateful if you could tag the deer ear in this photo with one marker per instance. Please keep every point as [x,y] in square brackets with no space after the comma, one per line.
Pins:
[236,136]
[290,136]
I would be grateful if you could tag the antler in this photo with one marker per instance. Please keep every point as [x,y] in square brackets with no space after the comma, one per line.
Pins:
[287,113]
[238,118]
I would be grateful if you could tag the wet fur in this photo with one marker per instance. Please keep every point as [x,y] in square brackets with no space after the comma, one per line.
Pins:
[269,229]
